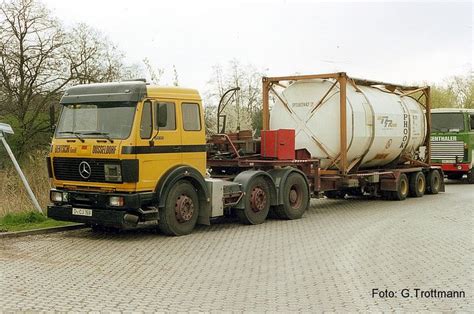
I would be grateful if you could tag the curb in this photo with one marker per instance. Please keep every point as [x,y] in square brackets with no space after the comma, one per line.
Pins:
[18,234]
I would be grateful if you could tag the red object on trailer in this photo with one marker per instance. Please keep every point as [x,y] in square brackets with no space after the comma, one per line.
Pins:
[279,144]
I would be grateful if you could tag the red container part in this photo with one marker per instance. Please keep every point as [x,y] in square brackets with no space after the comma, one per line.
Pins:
[279,144]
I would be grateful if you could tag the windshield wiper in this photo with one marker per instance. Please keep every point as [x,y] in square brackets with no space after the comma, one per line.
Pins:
[76,134]
[104,134]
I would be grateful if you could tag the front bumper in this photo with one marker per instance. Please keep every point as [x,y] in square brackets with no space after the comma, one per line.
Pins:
[103,217]
[102,213]
[459,167]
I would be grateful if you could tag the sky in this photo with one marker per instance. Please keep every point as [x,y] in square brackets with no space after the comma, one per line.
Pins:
[400,42]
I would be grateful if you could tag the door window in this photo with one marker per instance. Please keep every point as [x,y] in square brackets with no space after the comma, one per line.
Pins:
[191,117]
[146,125]
[165,116]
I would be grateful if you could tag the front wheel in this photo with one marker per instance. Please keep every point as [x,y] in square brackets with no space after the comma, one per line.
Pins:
[256,202]
[295,198]
[179,216]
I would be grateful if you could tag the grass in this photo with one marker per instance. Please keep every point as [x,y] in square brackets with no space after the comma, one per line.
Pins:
[27,221]
[16,209]
[13,196]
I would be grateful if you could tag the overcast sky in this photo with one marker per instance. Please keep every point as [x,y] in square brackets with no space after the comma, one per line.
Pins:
[391,41]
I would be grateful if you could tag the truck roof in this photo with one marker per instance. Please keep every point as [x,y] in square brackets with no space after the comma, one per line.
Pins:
[172,92]
[452,110]
[125,91]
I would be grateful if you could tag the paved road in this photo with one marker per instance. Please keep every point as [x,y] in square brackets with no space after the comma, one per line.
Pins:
[329,260]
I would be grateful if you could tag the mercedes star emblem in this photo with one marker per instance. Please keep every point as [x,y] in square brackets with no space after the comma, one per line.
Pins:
[85,170]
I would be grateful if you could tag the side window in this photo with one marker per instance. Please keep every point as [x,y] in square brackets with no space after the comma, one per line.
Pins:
[146,125]
[191,117]
[165,116]
[472,122]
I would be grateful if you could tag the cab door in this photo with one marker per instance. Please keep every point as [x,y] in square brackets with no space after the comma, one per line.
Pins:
[159,141]
[193,135]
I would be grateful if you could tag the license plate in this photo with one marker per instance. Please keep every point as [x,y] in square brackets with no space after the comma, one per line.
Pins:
[82,212]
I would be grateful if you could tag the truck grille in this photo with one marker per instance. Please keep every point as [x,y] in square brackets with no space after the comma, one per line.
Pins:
[68,169]
[447,150]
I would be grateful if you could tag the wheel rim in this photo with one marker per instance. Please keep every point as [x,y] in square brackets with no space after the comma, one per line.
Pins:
[403,187]
[258,199]
[421,184]
[184,208]
[295,196]
[436,182]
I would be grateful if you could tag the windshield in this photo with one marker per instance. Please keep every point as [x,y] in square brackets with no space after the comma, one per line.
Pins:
[110,120]
[447,122]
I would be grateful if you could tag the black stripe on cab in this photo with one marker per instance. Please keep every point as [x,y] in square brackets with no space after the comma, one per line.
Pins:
[163,149]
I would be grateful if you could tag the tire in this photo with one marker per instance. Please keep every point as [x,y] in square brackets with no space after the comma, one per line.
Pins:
[295,198]
[455,176]
[402,188]
[417,184]
[470,176]
[434,182]
[179,216]
[256,202]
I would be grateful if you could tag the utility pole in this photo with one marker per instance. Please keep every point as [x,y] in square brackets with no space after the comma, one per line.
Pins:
[7,129]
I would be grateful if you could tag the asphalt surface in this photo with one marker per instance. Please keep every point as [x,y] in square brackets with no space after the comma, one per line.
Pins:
[330,260]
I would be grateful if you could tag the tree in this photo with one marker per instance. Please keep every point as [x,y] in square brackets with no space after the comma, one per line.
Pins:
[244,109]
[456,92]
[38,59]
[98,58]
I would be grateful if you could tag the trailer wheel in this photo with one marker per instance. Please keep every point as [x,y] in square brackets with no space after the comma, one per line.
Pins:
[402,189]
[295,198]
[434,182]
[417,184]
[470,176]
[179,216]
[256,202]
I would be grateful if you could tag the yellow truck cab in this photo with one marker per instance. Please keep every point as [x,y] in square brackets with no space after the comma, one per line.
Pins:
[119,145]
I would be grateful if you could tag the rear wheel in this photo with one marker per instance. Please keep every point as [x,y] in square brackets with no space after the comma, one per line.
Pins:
[417,184]
[256,202]
[295,198]
[434,182]
[402,188]
[181,210]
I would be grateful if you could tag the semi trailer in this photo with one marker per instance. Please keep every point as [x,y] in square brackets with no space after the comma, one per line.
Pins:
[129,154]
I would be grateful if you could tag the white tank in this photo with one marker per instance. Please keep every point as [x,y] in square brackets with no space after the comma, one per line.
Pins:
[381,125]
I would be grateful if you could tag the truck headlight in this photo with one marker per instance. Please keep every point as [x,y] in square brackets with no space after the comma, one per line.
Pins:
[113,173]
[116,201]
[58,196]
